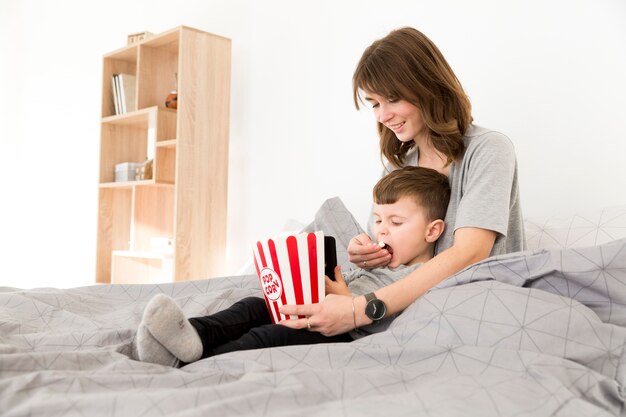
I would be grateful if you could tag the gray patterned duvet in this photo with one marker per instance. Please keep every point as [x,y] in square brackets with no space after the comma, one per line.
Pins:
[530,334]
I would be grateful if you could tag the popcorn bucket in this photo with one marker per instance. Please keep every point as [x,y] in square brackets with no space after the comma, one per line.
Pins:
[291,271]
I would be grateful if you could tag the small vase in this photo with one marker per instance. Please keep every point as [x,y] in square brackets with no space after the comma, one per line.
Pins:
[171,102]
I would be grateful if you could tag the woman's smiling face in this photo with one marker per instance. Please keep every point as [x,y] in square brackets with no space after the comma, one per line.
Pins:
[400,116]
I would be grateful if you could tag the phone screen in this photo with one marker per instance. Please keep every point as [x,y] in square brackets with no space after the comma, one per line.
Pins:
[330,257]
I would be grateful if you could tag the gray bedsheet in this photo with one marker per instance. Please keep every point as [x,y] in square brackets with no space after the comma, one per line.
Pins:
[528,334]
[483,344]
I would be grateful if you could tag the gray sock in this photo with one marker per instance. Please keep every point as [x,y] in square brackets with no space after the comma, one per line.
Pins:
[150,350]
[167,323]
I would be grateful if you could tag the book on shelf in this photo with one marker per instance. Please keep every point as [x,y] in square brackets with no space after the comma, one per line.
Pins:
[124,93]
[128,88]
[116,104]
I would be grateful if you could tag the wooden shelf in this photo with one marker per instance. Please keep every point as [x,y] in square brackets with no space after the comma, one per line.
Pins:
[134,137]
[166,143]
[140,117]
[185,200]
[138,254]
[130,184]
[127,54]
[134,267]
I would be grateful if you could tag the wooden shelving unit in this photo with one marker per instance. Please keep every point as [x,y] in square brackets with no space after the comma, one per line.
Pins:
[186,198]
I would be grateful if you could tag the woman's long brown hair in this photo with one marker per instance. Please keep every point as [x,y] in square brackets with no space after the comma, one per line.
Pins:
[407,65]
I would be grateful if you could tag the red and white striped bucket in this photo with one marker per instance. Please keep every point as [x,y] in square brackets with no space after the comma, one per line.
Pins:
[291,271]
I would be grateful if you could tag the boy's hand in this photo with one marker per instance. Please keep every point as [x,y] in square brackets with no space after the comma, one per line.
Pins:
[338,286]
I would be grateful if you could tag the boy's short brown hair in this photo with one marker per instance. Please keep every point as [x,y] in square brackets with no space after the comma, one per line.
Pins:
[429,188]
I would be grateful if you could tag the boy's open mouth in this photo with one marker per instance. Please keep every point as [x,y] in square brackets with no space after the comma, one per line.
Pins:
[383,245]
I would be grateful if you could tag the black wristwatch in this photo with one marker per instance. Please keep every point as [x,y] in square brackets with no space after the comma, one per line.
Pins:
[375,309]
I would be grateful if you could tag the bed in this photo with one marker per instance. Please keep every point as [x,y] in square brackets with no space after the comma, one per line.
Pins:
[536,333]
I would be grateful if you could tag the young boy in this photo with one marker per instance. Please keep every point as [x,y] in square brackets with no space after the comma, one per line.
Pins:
[409,205]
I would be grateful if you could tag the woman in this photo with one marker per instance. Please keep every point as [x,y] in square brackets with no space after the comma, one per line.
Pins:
[424,118]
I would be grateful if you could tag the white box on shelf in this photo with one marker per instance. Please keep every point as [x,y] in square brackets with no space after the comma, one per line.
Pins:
[126,171]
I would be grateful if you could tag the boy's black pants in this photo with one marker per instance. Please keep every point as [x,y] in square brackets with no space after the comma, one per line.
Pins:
[247,324]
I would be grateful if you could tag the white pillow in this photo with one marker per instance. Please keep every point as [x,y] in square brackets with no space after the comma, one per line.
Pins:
[588,228]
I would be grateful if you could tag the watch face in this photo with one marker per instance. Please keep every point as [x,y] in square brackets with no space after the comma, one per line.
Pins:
[375,309]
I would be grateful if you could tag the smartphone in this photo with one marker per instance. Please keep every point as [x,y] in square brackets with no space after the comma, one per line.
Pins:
[330,257]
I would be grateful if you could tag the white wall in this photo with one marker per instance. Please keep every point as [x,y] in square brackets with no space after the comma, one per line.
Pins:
[550,74]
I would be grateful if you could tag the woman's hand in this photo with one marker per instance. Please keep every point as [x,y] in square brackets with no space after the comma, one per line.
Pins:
[338,286]
[366,254]
[331,317]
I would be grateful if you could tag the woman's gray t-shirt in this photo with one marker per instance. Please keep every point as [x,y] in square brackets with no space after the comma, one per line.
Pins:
[485,192]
